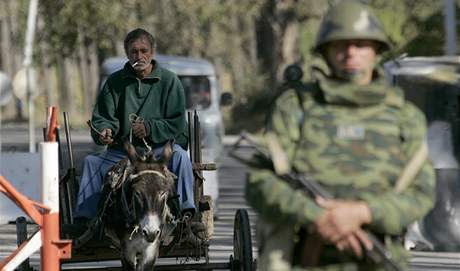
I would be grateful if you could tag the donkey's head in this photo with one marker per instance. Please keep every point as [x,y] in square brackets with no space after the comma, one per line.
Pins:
[147,190]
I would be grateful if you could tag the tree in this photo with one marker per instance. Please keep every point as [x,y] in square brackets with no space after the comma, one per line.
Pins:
[250,42]
[11,21]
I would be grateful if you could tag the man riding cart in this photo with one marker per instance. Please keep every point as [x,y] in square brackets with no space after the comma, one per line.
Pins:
[144,103]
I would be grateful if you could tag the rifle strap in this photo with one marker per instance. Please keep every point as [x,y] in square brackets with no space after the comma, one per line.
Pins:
[279,157]
[412,168]
[300,99]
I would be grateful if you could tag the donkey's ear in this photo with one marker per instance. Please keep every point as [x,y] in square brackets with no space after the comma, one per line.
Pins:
[131,151]
[164,196]
[164,199]
[167,152]
[164,205]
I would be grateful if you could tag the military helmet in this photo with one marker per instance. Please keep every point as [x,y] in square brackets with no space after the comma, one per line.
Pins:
[350,19]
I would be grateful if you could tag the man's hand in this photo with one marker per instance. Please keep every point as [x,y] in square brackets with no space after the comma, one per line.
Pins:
[106,136]
[341,222]
[139,130]
[354,243]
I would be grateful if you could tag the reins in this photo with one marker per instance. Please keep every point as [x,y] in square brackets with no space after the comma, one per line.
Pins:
[143,172]
[133,118]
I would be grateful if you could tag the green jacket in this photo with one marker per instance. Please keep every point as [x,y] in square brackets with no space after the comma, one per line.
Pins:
[355,141]
[158,98]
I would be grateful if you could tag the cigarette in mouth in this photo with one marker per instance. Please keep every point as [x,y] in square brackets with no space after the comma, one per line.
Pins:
[135,63]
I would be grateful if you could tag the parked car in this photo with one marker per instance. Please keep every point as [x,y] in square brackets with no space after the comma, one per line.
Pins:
[203,94]
[433,85]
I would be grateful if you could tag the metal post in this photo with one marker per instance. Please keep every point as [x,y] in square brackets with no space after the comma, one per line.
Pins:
[52,247]
[198,193]
[42,237]
[50,254]
[21,235]
[31,22]
[69,140]
[68,186]
[450,27]
[191,135]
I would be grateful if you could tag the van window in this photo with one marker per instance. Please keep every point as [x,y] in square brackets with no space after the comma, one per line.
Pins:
[197,91]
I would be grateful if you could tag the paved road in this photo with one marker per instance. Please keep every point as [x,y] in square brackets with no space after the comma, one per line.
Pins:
[231,192]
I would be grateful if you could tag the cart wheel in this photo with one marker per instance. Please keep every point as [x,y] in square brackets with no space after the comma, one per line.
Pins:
[242,245]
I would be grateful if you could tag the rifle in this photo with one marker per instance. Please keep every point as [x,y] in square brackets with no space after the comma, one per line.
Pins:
[378,254]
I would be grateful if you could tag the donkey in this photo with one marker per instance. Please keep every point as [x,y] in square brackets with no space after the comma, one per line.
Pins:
[139,210]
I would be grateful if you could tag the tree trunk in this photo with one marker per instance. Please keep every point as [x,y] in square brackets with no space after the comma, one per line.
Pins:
[89,73]
[45,81]
[278,34]
[11,54]
[64,94]
[83,71]
[289,47]
[45,70]
[237,62]
[93,79]
[268,41]
[6,57]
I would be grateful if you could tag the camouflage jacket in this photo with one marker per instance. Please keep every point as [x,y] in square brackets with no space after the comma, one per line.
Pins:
[355,141]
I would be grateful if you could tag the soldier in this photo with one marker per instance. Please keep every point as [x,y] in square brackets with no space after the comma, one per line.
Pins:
[355,135]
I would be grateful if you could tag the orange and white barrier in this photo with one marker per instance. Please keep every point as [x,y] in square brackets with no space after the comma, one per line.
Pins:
[46,215]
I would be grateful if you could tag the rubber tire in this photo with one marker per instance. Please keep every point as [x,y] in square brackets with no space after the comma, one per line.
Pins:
[242,243]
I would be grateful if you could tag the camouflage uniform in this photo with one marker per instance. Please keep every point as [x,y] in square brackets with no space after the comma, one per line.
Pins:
[355,141]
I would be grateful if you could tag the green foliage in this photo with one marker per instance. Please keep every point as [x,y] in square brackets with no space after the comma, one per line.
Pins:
[249,111]
[224,31]
[416,27]
[392,15]
[430,35]
[95,21]
[16,13]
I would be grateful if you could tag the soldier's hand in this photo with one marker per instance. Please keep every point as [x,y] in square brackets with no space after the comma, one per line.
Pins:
[106,136]
[354,243]
[341,218]
[139,130]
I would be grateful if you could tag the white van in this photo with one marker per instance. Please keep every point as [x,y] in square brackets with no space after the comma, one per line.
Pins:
[432,84]
[202,93]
